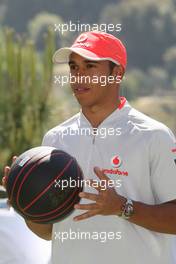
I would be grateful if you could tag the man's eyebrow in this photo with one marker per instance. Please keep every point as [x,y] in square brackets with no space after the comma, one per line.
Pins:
[86,61]
[90,61]
[71,62]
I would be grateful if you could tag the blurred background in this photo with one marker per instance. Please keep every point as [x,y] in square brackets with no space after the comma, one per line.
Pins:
[30,100]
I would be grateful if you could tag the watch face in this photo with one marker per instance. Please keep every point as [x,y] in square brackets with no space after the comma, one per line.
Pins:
[128,210]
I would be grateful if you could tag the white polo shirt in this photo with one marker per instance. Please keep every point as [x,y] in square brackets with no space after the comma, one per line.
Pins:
[136,150]
[19,245]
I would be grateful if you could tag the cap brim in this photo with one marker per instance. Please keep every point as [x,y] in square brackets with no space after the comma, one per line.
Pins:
[62,55]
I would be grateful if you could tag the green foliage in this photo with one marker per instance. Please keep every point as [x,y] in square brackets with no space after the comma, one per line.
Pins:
[159,108]
[138,83]
[39,25]
[170,61]
[3,9]
[25,84]
[132,83]
[85,11]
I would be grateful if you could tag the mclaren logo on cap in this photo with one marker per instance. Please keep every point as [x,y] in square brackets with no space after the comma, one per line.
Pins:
[116,162]
[82,38]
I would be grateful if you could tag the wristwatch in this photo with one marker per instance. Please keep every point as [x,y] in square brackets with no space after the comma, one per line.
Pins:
[127,209]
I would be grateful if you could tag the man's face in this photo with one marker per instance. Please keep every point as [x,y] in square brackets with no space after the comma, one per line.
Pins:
[88,91]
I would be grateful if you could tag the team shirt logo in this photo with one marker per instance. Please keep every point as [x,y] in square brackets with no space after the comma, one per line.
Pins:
[116,163]
[82,38]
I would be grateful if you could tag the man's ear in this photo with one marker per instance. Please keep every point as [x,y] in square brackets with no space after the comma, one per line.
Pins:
[118,70]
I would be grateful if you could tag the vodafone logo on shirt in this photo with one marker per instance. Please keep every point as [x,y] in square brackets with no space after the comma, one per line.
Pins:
[116,163]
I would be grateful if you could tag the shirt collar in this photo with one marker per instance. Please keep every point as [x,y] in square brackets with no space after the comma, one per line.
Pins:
[108,121]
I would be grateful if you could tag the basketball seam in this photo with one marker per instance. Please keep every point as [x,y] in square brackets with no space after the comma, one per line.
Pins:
[26,176]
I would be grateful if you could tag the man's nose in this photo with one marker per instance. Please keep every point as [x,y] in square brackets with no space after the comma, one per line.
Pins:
[81,71]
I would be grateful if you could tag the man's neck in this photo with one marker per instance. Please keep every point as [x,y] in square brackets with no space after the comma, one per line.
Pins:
[97,114]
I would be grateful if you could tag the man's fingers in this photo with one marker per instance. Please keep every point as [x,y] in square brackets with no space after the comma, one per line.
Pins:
[14,158]
[100,174]
[90,196]
[92,206]
[95,185]
[85,215]
[6,171]
[4,181]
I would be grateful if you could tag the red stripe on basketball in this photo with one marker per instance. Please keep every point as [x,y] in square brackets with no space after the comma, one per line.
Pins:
[79,171]
[13,187]
[27,174]
[55,210]
[49,185]
[62,212]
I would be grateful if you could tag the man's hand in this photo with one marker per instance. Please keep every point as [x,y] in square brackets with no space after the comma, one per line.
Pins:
[106,202]
[6,172]
[42,230]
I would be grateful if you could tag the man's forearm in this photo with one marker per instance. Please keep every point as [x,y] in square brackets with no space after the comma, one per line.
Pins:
[42,230]
[159,218]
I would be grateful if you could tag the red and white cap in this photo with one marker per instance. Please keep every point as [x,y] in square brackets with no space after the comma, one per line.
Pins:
[95,45]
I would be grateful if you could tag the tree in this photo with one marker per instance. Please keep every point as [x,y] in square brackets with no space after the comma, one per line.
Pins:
[38,26]
[169,58]
[25,86]
[19,12]
[3,9]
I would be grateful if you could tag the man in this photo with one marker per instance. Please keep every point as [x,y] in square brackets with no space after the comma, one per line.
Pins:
[18,245]
[136,216]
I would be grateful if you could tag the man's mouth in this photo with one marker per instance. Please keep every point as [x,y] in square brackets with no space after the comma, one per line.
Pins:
[81,89]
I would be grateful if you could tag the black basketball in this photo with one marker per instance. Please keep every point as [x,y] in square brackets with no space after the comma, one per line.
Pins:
[43,184]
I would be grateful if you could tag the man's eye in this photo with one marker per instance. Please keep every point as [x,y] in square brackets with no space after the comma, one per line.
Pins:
[90,66]
[72,67]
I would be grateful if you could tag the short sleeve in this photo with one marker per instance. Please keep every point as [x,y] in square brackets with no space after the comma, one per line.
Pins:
[49,139]
[163,165]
